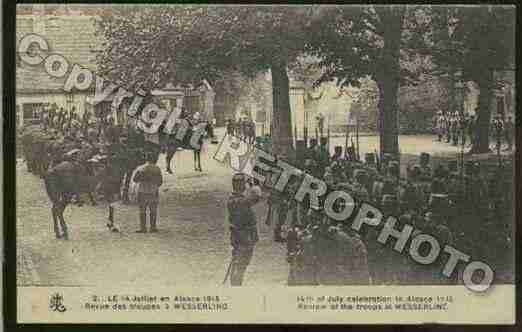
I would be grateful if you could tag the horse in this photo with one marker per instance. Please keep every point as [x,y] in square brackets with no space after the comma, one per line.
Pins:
[192,140]
[35,146]
[63,181]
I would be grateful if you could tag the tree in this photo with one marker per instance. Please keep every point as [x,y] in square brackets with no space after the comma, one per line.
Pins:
[481,43]
[152,45]
[375,41]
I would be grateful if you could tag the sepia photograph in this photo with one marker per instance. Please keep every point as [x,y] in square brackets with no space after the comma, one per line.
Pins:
[226,163]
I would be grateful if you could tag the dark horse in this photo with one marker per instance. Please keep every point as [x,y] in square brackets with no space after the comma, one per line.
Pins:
[188,137]
[65,180]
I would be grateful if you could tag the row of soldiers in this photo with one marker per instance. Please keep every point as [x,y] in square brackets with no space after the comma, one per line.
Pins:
[446,201]
[456,126]
[70,123]
[244,128]
[122,149]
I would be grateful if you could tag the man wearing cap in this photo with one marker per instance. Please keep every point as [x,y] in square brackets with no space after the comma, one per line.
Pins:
[149,179]
[243,227]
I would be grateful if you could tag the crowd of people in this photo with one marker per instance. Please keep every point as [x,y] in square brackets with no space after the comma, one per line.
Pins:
[460,203]
[457,128]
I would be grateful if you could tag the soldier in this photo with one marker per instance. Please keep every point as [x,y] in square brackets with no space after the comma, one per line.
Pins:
[436,225]
[267,143]
[285,204]
[369,159]
[243,228]
[360,186]
[230,127]
[342,258]
[338,153]
[411,195]
[323,155]
[302,251]
[508,133]
[471,130]
[455,123]
[320,123]
[149,178]
[439,125]
[425,169]
[312,150]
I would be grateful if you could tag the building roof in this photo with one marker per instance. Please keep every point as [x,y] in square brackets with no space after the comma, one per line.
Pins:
[72,36]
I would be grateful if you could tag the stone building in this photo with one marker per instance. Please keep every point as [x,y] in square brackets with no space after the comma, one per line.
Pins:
[70,32]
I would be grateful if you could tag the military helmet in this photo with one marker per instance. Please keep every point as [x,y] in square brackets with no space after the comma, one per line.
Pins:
[324,140]
[369,158]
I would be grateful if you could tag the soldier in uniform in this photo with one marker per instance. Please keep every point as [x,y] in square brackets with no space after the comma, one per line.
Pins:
[338,153]
[508,133]
[455,124]
[311,152]
[424,163]
[448,127]
[243,228]
[323,155]
[342,258]
[150,179]
[302,251]
[286,204]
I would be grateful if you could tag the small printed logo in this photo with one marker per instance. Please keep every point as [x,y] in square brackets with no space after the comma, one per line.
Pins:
[56,303]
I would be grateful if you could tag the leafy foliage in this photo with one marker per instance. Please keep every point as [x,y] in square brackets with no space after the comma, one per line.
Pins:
[350,41]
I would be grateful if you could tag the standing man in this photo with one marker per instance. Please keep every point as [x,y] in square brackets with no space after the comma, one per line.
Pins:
[320,123]
[471,130]
[508,133]
[243,227]
[149,178]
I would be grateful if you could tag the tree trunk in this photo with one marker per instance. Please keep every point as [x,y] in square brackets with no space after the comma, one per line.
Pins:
[485,84]
[388,80]
[451,91]
[388,109]
[282,117]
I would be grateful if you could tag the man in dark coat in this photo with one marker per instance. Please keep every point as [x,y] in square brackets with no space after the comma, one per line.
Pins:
[243,227]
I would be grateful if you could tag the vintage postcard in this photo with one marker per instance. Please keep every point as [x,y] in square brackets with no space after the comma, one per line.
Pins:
[265,164]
